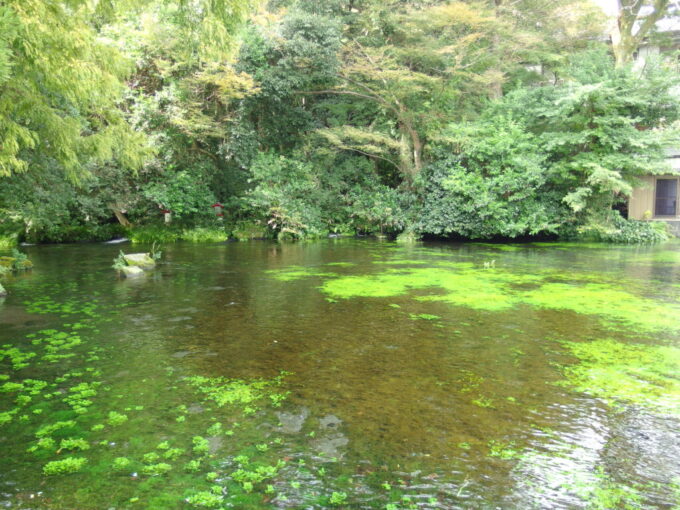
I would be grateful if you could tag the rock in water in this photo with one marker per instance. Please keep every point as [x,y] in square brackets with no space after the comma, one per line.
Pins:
[132,271]
[142,260]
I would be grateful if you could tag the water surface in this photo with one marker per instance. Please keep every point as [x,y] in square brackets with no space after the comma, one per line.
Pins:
[343,373]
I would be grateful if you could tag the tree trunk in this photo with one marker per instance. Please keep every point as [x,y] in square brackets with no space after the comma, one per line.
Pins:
[496,86]
[631,28]
[121,217]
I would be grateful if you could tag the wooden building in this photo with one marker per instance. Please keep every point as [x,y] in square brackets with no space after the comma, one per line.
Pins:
[657,197]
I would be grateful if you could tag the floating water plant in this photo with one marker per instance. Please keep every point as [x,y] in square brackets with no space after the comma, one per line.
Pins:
[205,499]
[121,463]
[73,444]
[201,445]
[116,419]
[156,469]
[64,466]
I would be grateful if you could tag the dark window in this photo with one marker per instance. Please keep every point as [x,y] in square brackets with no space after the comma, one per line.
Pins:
[666,197]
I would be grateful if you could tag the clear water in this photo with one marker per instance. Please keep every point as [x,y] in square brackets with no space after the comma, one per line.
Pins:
[461,388]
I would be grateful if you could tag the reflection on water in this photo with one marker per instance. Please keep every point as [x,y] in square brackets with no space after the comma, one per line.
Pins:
[421,376]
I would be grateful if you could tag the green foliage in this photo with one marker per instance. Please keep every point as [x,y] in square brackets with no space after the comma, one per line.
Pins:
[116,419]
[119,262]
[184,194]
[74,444]
[201,445]
[156,469]
[598,130]
[496,184]
[205,499]
[395,117]
[621,231]
[62,105]
[283,195]
[64,466]
[121,463]
[623,373]
[338,498]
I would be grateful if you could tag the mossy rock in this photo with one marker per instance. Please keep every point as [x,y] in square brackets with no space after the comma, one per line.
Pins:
[3,292]
[132,271]
[140,260]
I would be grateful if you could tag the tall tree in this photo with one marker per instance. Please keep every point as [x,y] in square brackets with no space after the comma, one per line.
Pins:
[636,20]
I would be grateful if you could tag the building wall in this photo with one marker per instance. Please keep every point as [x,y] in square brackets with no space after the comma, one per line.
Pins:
[641,202]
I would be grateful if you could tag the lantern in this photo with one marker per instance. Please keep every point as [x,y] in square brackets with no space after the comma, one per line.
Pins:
[218,210]
[167,215]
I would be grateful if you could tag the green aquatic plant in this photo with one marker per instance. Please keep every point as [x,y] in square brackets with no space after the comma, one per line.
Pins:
[155,253]
[462,285]
[238,392]
[248,476]
[121,463]
[156,469]
[73,444]
[45,444]
[483,402]
[292,273]
[173,453]
[503,450]
[119,262]
[604,493]
[424,316]
[114,419]
[608,301]
[48,430]
[201,445]
[192,466]
[17,357]
[64,466]
[215,429]
[338,498]
[205,499]
[619,372]
[150,458]
[494,289]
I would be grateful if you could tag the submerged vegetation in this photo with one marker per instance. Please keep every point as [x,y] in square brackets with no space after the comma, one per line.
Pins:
[338,374]
[93,426]
[625,373]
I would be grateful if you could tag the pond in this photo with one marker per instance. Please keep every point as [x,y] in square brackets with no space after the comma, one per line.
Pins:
[343,374]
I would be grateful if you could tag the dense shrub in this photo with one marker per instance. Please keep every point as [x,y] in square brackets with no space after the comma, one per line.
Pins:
[623,231]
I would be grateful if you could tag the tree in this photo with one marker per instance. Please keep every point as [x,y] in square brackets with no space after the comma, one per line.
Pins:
[60,87]
[404,65]
[636,20]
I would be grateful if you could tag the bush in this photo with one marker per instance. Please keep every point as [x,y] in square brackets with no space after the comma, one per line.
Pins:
[76,233]
[153,233]
[171,234]
[204,234]
[622,231]
[8,240]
